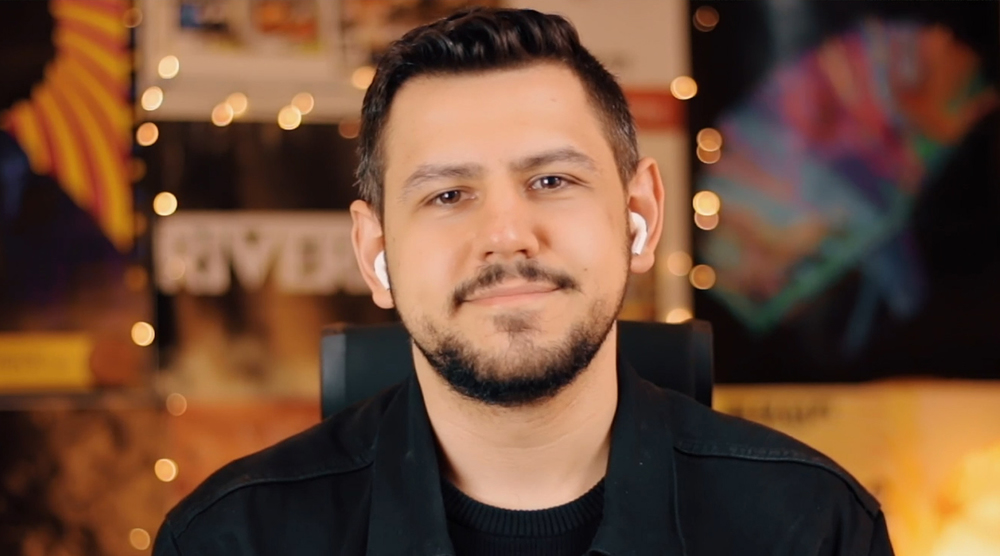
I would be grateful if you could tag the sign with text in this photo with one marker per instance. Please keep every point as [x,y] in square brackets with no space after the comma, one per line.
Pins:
[307,253]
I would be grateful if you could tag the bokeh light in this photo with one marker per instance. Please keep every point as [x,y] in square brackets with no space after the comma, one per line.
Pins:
[152,98]
[708,157]
[222,114]
[349,129]
[683,87]
[706,203]
[362,77]
[139,539]
[147,134]
[705,18]
[239,103]
[165,203]
[176,404]
[304,102]
[143,333]
[706,222]
[702,277]
[679,315]
[165,469]
[679,263]
[169,67]
[709,139]
[289,118]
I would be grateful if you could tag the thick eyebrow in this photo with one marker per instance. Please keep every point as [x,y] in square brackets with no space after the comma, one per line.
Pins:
[565,154]
[428,172]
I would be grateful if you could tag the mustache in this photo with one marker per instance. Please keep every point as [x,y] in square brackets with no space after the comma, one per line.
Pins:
[494,274]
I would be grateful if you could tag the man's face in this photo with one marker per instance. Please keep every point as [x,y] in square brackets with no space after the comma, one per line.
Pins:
[505,229]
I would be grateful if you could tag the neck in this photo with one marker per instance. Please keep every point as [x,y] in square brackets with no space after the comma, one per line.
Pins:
[531,457]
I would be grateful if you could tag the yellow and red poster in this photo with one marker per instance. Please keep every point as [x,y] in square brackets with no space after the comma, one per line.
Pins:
[76,125]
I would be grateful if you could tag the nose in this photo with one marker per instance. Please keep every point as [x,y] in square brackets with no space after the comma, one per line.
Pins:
[508,227]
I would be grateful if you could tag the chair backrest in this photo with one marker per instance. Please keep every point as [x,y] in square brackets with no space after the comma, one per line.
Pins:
[358,362]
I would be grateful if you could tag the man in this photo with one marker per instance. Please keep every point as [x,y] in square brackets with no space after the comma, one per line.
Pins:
[504,207]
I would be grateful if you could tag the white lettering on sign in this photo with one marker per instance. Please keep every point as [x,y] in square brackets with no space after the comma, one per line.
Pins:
[309,252]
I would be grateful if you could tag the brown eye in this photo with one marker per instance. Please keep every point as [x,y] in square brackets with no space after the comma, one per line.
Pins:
[448,198]
[548,182]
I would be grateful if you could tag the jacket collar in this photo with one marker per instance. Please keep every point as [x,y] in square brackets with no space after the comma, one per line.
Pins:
[640,507]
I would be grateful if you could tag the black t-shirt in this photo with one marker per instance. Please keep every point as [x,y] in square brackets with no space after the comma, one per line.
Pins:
[477,529]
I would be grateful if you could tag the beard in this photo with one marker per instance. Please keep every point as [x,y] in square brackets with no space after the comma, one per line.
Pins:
[525,373]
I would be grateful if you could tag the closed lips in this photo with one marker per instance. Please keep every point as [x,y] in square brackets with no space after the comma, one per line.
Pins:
[507,291]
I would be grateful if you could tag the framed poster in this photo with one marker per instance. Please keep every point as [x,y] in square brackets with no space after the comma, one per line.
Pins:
[201,51]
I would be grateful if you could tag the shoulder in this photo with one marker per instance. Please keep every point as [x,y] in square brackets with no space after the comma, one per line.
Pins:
[337,446]
[751,456]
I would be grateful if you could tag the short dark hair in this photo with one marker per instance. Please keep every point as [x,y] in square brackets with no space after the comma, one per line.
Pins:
[484,39]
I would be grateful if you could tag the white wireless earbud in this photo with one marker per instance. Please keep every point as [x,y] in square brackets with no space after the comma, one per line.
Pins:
[380,271]
[639,228]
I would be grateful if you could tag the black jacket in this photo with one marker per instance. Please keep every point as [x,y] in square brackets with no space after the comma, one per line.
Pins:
[682,480]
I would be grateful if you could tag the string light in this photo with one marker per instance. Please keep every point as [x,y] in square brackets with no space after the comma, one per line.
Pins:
[165,469]
[222,114]
[239,104]
[176,404]
[139,539]
[304,102]
[362,77]
[169,67]
[147,134]
[706,222]
[702,277]
[679,263]
[683,87]
[152,98]
[143,333]
[679,315]
[289,118]
[709,139]
[349,129]
[708,157]
[165,203]
[705,18]
[706,203]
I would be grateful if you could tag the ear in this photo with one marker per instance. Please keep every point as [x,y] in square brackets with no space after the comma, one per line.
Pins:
[645,196]
[369,240]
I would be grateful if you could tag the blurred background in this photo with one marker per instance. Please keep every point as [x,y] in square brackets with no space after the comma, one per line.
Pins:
[175,174]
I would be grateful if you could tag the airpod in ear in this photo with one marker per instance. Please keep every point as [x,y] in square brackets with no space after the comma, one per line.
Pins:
[640,230]
[380,270]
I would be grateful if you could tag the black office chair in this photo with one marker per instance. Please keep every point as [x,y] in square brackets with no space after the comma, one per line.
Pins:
[358,362]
